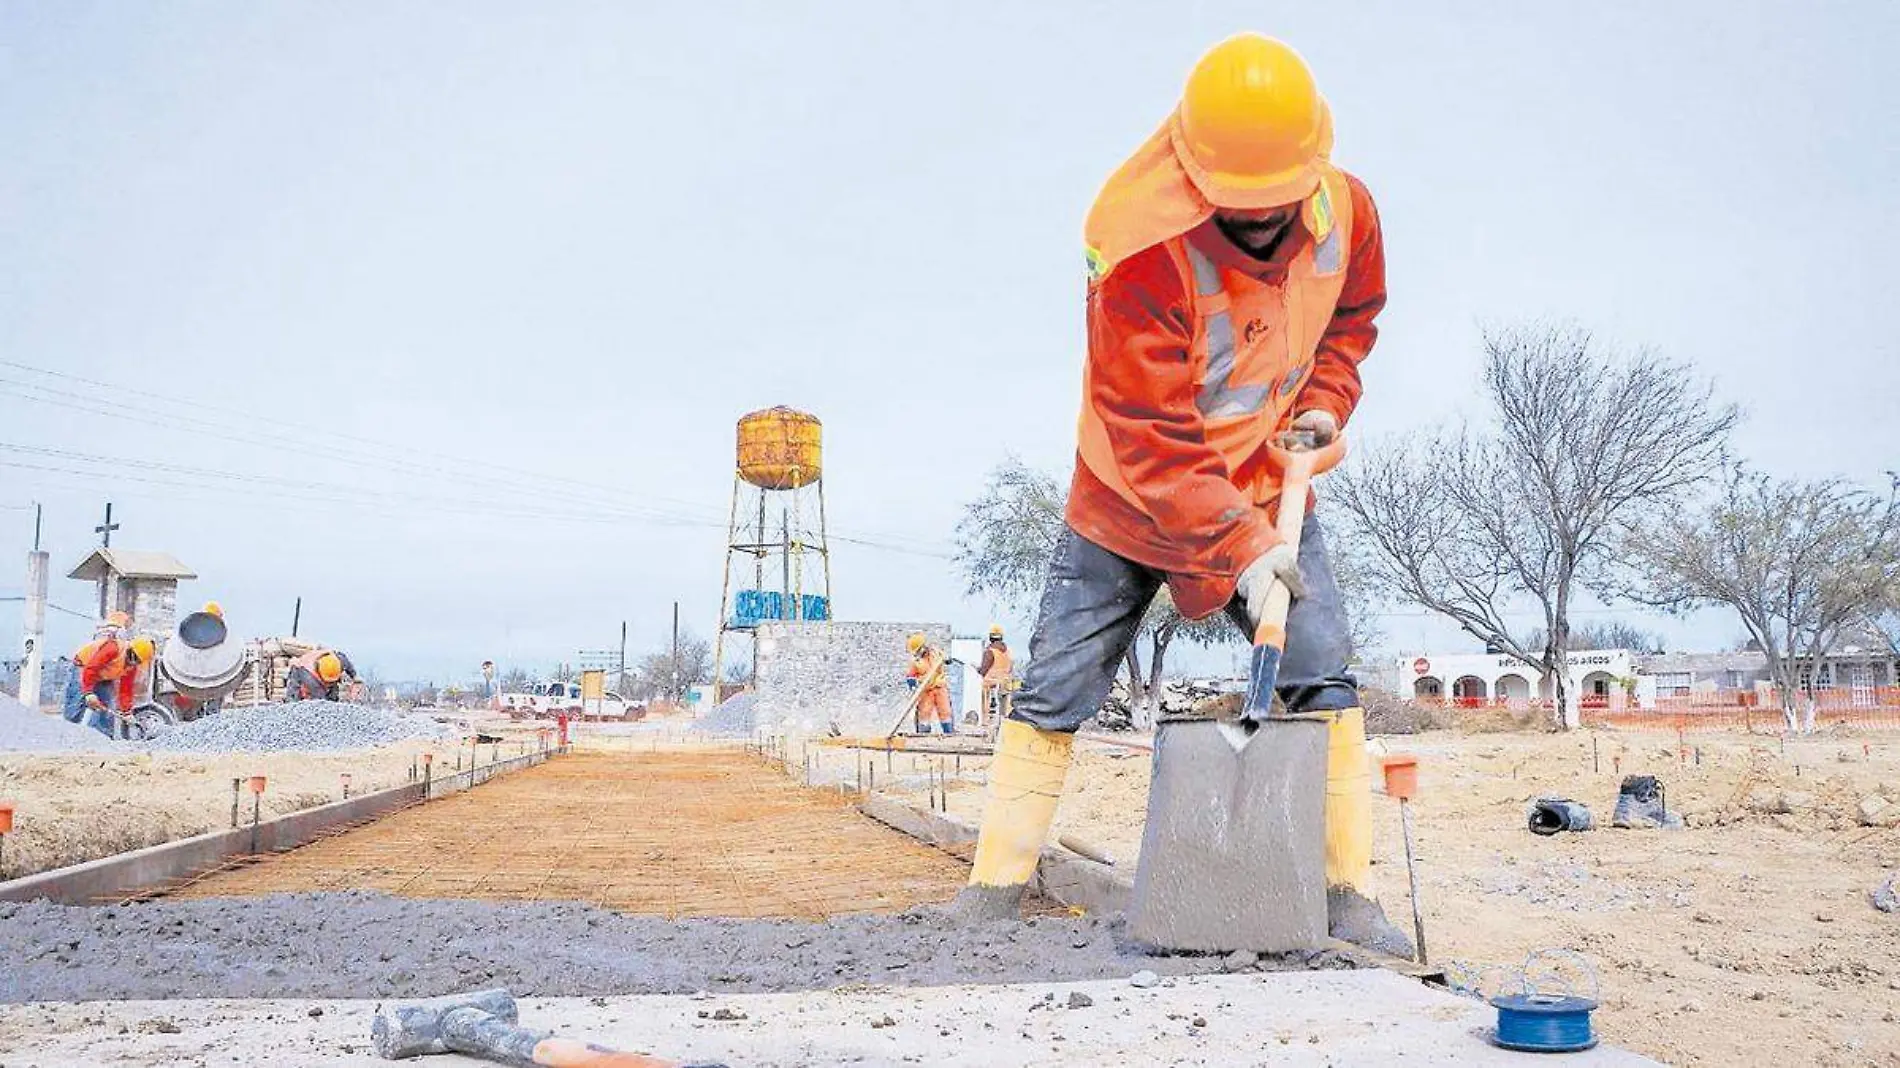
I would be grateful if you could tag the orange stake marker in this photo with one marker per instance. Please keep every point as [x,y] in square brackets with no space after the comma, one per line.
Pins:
[1401,781]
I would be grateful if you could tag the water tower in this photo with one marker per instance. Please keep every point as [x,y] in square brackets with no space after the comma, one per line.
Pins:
[777,563]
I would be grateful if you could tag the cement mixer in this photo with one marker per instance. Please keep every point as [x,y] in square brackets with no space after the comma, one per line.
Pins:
[201,664]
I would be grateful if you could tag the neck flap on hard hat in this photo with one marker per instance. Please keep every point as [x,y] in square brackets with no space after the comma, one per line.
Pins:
[1151,198]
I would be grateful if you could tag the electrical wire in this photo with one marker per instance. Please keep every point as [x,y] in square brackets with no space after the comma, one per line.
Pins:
[486,467]
[484,476]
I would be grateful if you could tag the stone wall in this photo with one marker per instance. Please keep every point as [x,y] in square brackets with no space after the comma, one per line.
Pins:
[152,603]
[814,674]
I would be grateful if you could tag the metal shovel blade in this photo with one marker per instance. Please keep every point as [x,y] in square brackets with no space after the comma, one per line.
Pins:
[1233,854]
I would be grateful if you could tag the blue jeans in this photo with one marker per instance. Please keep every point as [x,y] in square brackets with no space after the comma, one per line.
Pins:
[1092,607]
[73,707]
[72,703]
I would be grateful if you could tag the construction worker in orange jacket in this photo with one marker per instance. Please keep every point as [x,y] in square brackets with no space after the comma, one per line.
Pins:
[318,676]
[1234,275]
[994,668]
[927,672]
[102,685]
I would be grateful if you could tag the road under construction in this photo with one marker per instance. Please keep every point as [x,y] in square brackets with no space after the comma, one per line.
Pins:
[657,880]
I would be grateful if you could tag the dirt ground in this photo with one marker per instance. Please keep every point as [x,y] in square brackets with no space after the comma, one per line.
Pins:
[718,833]
[73,807]
[1746,938]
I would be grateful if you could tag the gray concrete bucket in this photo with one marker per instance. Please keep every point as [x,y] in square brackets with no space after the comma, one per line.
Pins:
[202,660]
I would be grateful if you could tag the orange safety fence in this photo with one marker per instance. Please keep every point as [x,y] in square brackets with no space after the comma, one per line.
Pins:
[1873,707]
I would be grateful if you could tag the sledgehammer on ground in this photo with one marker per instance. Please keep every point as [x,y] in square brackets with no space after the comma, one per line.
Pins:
[483,1024]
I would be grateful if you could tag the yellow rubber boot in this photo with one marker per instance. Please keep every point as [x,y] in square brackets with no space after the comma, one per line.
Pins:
[1348,803]
[1352,913]
[1025,784]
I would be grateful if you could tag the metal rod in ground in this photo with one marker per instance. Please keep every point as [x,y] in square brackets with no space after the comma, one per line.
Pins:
[1411,873]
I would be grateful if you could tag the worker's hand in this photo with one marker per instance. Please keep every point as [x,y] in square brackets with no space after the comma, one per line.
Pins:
[1279,565]
[1320,424]
[911,683]
[93,702]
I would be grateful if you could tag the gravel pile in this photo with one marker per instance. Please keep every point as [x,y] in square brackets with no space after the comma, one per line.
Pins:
[22,730]
[305,726]
[736,716]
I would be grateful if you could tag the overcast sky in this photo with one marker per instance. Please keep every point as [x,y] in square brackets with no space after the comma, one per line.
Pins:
[445,254]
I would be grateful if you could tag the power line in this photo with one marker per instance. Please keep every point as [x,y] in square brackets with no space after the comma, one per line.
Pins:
[487,467]
[707,516]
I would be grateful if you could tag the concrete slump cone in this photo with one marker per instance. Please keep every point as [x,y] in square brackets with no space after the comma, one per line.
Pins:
[1233,856]
[202,659]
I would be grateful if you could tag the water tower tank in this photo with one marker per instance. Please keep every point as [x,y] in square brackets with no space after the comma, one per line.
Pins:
[779,449]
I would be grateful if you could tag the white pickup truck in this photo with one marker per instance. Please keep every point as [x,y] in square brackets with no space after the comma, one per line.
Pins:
[545,700]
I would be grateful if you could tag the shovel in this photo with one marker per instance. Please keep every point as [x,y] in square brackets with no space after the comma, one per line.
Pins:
[1233,852]
[1300,459]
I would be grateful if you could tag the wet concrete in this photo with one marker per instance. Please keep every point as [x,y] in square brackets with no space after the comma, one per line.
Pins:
[362,944]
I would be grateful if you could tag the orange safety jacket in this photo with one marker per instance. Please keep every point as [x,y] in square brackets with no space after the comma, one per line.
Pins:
[105,660]
[996,663]
[1199,354]
[926,666]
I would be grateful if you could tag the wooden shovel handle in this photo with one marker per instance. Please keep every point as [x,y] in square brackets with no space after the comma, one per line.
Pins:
[1300,462]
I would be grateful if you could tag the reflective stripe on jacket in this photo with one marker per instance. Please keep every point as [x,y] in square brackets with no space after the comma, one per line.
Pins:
[1184,383]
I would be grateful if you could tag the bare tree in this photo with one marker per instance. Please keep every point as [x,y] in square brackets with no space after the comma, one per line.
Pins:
[1355,571]
[667,678]
[1615,634]
[1798,562]
[1524,505]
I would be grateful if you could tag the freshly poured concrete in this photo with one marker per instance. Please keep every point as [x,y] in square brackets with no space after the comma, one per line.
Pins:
[1341,1019]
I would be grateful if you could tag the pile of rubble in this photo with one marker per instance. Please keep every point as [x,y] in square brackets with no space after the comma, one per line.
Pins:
[1173,697]
[304,726]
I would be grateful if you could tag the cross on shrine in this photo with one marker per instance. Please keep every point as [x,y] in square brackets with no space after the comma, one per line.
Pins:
[104,530]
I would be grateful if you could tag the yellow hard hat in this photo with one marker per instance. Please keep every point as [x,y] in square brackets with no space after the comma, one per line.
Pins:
[329,668]
[143,648]
[213,608]
[915,642]
[996,630]
[1252,125]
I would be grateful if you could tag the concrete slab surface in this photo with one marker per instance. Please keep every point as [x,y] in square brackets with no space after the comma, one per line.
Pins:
[1340,1019]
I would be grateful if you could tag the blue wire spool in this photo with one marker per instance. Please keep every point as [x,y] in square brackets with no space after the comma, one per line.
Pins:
[1544,1023]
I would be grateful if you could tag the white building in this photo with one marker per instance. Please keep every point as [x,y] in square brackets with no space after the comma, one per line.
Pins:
[1854,674]
[1602,676]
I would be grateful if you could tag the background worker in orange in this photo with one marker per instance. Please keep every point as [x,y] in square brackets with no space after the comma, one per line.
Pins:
[926,671]
[1234,276]
[994,668]
[318,676]
[104,679]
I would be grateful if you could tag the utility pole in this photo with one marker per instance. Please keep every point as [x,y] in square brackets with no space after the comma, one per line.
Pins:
[621,673]
[35,628]
[676,651]
[104,530]
[296,617]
